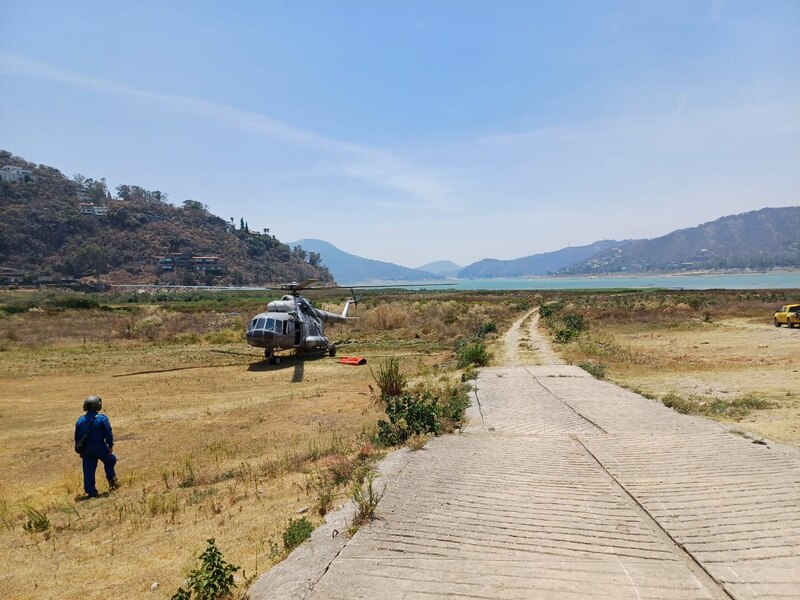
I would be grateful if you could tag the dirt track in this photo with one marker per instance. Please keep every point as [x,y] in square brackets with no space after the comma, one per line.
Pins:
[564,486]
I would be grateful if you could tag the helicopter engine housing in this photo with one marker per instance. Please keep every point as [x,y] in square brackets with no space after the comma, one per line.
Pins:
[280,306]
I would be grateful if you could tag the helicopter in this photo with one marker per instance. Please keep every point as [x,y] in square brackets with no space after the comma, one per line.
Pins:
[292,322]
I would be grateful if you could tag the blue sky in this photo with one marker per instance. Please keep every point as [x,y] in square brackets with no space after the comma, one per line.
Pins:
[418,131]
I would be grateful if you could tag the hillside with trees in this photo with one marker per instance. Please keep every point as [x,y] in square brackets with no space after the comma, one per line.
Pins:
[55,227]
[758,240]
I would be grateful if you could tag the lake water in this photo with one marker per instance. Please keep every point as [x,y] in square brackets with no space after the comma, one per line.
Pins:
[740,281]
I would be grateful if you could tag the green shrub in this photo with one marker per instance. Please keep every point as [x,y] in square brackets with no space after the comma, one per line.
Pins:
[35,521]
[548,310]
[486,329]
[408,415]
[566,335]
[74,301]
[597,370]
[472,353]
[470,372]
[212,580]
[149,328]
[13,309]
[737,408]
[575,321]
[681,405]
[390,379]
[453,401]
[296,533]
[366,498]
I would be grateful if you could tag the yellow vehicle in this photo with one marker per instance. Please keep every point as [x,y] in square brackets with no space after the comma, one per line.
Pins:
[788,315]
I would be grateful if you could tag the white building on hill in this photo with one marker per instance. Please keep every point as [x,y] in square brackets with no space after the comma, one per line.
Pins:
[14,174]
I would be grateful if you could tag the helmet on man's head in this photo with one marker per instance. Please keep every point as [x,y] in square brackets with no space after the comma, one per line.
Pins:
[93,403]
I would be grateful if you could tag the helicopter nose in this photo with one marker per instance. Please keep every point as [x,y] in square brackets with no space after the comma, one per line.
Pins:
[259,337]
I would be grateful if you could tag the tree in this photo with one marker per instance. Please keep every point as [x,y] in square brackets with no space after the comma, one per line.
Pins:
[195,205]
[241,223]
[314,259]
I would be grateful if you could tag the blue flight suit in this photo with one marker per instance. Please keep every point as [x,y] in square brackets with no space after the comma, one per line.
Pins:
[98,447]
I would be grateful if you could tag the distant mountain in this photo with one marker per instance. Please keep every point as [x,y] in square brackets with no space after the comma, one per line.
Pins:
[444,268]
[760,239]
[349,269]
[52,227]
[536,264]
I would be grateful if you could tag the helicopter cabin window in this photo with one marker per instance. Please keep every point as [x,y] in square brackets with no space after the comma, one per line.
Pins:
[270,324]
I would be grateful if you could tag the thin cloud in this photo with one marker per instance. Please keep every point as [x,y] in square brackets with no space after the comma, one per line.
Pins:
[356,160]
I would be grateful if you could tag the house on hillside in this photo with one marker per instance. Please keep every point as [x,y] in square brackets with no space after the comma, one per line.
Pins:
[13,174]
[205,265]
[97,210]
[208,265]
[11,276]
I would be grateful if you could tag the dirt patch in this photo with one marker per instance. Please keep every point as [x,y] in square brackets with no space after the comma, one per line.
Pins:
[722,360]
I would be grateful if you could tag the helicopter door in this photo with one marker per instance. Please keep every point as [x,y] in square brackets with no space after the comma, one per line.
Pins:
[298,333]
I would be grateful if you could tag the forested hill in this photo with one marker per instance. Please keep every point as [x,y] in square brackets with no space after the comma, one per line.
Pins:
[760,239]
[43,233]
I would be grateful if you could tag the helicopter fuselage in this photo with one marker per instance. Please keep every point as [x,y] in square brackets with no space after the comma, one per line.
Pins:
[291,323]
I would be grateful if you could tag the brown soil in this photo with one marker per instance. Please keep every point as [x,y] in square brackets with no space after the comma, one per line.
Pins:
[725,359]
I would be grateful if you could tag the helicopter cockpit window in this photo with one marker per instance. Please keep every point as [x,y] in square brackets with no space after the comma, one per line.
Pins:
[252,325]
[260,323]
[270,324]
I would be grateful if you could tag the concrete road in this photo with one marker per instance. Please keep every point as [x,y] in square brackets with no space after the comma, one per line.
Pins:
[564,486]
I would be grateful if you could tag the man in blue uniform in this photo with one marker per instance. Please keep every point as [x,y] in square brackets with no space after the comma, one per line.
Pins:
[98,444]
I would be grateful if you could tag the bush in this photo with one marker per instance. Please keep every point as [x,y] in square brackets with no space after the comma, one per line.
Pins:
[390,379]
[681,405]
[472,353]
[486,329]
[597,370]
[566,335]
[76,301]
[149,328]
[212,580]
[453,401]
[575,321]
[366,499]
[408,415]
[548,310]
[35,521]
[296,533]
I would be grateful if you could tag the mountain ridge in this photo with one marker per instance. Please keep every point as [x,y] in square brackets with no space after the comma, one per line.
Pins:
[544,263]
[350,268]
[759,239]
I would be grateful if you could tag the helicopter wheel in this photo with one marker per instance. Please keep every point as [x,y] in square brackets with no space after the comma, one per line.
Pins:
[275,360]
[332,350]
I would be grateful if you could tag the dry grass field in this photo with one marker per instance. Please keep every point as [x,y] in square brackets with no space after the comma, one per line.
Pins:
[711,353]
[212,441]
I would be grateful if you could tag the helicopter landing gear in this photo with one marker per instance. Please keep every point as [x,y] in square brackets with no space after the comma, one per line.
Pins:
[273,359]
[332,350]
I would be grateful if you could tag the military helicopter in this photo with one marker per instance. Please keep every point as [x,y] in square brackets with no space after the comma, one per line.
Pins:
[292,322]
